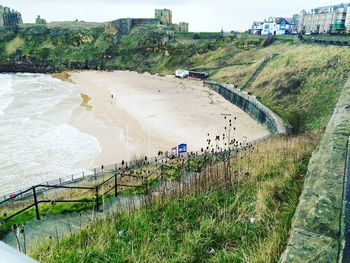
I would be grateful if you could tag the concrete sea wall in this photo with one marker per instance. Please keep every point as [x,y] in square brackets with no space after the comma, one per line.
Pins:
[317,234]
[250,105]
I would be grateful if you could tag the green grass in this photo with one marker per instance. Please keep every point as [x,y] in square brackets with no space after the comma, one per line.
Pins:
[306,79]
[210,223]
[45,209]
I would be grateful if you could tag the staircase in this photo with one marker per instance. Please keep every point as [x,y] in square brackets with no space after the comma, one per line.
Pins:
[257,72]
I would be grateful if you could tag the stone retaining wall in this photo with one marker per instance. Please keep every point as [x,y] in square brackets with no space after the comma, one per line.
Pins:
[250,105]
[316,234]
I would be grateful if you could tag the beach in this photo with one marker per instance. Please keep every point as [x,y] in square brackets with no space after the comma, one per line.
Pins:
[133,115]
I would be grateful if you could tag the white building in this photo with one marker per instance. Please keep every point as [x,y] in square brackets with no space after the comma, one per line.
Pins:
[257,27]
[276,26]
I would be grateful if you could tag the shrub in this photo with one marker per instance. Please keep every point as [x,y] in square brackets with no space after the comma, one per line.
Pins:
[297,122]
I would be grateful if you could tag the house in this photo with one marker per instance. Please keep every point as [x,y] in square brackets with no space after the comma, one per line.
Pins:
[293,24]
[325,20]
[257,27]
[276,26]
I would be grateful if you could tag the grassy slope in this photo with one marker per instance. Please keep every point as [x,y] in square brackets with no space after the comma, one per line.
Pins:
[306,77]
[211,225]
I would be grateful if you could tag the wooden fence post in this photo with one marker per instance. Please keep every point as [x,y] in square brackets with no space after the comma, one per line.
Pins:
[36,204]
[146,186]
[115,184]
[97,199]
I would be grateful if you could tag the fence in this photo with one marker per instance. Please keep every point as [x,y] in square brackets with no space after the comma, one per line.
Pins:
[100,187]
[105,180]
[136,185]
[250,105]
[337,40]
[79,177]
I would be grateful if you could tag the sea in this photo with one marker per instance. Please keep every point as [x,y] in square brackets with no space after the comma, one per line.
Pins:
[36,142]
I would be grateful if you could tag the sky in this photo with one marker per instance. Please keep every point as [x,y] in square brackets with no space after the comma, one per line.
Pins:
[203,15]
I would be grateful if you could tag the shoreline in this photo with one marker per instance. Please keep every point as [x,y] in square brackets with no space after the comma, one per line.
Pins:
[133,115]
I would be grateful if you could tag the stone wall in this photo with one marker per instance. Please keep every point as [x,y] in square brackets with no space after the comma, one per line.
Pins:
[125,25]
[250,105]
[9,17]
[75,24]
[316,230]
[165,16]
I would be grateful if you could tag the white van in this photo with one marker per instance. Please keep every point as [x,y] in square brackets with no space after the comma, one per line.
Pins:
[180,73]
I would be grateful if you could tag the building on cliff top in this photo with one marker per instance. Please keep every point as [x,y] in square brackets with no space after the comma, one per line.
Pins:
[165,16]
[9,17]
[162,18]
[40,21]
[326,19]
[276,26]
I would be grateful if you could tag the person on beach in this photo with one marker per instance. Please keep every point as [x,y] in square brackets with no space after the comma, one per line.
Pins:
[112,97]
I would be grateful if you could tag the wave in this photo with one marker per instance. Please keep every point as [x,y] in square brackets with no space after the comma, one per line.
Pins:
[36,143]
[5,92]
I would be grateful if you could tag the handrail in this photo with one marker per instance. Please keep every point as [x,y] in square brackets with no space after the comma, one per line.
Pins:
[95,188]
[122,171]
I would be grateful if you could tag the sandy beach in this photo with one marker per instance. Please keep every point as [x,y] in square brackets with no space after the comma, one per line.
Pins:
[134,114]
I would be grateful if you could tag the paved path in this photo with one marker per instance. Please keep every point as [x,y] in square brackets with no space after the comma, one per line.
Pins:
[58,226]
[257,72]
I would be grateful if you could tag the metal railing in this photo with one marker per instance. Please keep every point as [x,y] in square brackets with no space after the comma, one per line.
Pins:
[102,186]
[97,191]
[92,174]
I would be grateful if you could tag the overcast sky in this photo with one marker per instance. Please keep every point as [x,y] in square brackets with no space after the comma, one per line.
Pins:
[203,15]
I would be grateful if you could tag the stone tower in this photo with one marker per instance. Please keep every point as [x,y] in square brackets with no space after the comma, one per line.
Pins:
[9,17]
[40,21]
[164,15]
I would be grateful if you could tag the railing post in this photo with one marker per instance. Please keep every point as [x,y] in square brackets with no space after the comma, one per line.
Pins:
[115,184]
[146,186]
[97,200]
[36,205]
[161,173]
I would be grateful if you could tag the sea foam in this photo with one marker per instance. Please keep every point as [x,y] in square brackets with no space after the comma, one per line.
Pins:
[36,143]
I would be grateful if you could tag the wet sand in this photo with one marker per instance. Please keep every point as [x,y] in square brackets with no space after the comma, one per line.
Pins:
[135,114]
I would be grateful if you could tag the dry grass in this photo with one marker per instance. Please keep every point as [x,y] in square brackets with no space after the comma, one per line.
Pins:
[206,218]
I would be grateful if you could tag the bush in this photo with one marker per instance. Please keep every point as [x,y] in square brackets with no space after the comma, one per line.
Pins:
[297,122]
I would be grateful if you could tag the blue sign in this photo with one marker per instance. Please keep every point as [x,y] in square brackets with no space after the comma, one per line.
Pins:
[182,148]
